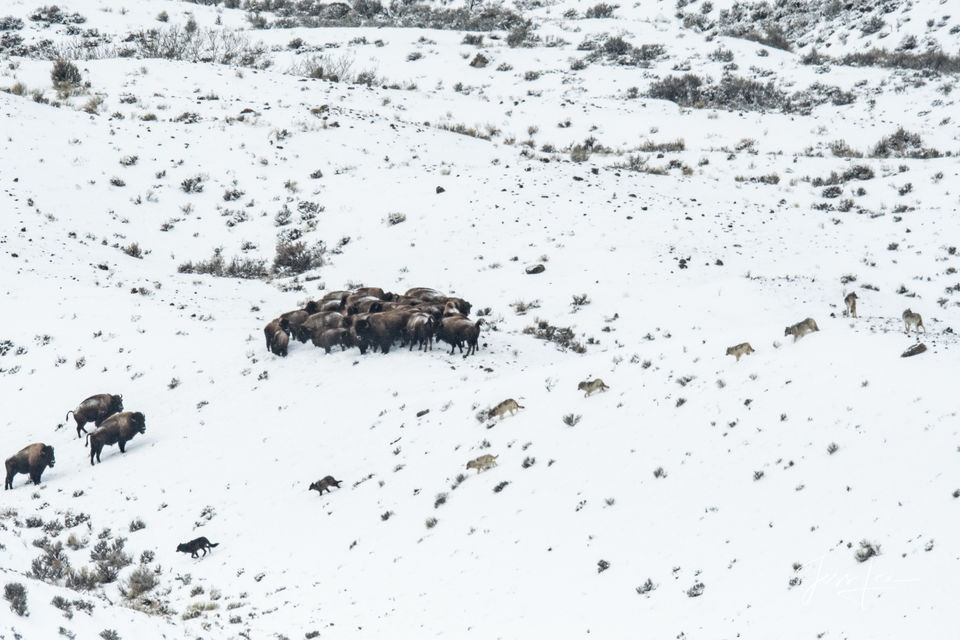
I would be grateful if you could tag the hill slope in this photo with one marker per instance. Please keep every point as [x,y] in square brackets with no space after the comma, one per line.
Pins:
[668,232]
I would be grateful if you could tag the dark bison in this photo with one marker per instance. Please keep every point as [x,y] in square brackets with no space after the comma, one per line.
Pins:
[118,429]
[95,409]
[339,296]
[329,338]
[425,294]
[280,342]
[364,304]
[295,320]
[32,459]
[324,484]
[376,292]
[330,305]
[270,331]
[455,330]
[323,320]
[420,329]
[383,329]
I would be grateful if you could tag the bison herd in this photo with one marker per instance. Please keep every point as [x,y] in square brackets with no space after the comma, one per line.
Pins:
[370,318]
[113,426]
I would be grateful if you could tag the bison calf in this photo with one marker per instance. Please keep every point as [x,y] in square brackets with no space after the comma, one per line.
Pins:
[118,429]
[32,459]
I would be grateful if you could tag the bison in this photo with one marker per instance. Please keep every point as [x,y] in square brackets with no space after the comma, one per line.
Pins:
[421,328]
[329,338]
[364,304]
[295,320]
[323,320]
[270,331]
[425,294]
[458,304]
[32,459]
[383,329]
[95,409]
[376,292]
[330,305]
[455,330]
[280,343]
[118,429]
[335,295]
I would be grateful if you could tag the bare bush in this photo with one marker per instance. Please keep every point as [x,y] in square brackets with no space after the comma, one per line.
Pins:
[142,580]
[564,337]
[65,75]
[16,594]
[293,258]
[903,144]
[238,267]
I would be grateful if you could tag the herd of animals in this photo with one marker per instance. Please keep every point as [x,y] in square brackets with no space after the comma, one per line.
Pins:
[809,325]
[371,318]
[366,318]
[113,426]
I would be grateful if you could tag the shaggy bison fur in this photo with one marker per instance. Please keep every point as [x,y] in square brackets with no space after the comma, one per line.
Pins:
[118,429]
[455,330]
[95,409]
[32,459]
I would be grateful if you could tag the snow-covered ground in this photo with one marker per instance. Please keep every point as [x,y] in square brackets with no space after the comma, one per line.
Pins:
[757,480]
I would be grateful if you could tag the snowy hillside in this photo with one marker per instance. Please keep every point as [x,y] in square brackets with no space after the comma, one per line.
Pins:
[690,176]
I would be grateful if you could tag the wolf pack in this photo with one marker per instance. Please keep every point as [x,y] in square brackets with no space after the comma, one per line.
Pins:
[809,325]
[352,312]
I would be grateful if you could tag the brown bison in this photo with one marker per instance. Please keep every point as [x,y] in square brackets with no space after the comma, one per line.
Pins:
[335,295]
[32,459]
[329,338]
[325,484]
[270,331]
[421,328]
[330,305]
[95,409]
[323,320]
[383,329]
[459,304]
[118,429]
[455,330]
[426,294]
[364,304]
[376,292]
[295,320]
[280,342]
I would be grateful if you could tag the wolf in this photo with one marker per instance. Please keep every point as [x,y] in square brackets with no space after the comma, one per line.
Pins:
[589,386]
[501,409]
[742,349]
[198,544]
[801,329]
[911,318]
[851,302]
[483,463]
